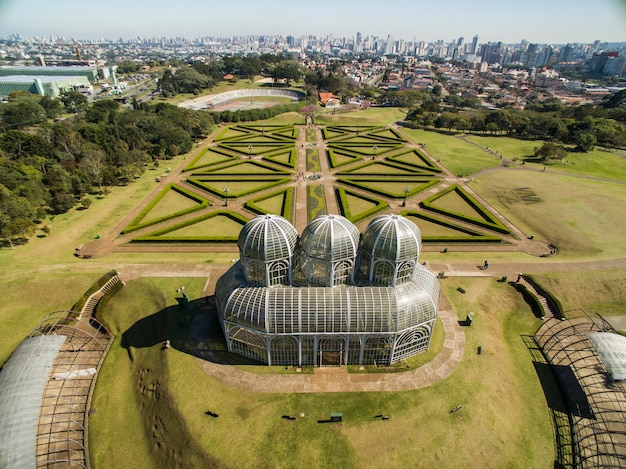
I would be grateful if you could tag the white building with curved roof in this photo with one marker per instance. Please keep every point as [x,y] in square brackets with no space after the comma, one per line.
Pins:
[330,296]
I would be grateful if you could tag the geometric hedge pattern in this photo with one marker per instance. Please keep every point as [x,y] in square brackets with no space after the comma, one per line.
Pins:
[256,163]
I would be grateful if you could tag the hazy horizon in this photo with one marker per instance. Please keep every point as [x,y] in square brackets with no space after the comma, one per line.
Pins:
[553,22]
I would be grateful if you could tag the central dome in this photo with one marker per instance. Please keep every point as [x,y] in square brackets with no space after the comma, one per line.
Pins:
[331,238]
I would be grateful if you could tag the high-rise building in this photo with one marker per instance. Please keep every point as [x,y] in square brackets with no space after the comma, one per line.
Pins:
[474,45]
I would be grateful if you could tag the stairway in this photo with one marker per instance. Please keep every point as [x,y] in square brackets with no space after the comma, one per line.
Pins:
[543,301]
[92,301]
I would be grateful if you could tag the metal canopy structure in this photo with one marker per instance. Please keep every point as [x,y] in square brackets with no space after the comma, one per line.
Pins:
[329,297]
[596,401]
[22,383]
[45,388]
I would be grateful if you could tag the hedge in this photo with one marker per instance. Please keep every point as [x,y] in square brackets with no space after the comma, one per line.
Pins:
[391,164]
[135,225]
[344,206]
[156,236]
[291,162]
[220,136]
[428,165]
[333,159]
[493,223]
[358,183]
[286,206]
[476,236]
[220,193]
[237,162]
[191,164]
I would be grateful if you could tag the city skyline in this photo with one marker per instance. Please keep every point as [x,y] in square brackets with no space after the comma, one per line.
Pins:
[556,22]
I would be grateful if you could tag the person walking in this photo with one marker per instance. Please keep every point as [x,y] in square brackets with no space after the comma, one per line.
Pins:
[486,265]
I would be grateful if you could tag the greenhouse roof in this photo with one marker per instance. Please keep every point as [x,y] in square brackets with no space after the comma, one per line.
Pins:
[612,350]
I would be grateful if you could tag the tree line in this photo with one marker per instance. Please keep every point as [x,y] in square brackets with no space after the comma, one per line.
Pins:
[48,166]
[583,126]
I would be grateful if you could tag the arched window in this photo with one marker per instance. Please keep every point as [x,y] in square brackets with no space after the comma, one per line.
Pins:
[279,273]
[284,351]
[377,350]
[383,273]
[405,272]
[249,344]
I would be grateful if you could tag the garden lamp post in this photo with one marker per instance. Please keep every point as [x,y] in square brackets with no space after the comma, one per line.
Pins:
[375,148]
[406,192]
[249,151]
[226,189]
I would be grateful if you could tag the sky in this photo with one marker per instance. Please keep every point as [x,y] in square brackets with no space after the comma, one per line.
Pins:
[538,21]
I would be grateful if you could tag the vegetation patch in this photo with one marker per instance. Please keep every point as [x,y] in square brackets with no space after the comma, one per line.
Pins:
[338,158]
[189,197]
[208,157]
[229,188]
[233,132]
[376,168]
[277,203]
[216,227]
[356,207]
[436,230]
[390,187]
[311,135]
[316,201]
[366,149]
[486,220]
[334,131]
[288,158]
[313,160]
[255,147]
[238,168]
[416,159]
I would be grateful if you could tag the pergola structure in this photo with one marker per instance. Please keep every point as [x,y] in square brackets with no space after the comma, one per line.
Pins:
[589,360]
[45,388]
[330,296]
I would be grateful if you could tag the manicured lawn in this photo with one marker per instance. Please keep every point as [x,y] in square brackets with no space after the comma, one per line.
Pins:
[171,202]
[218,226]
[582,217]
[460,157]
[170,395]
[371,116]
[509,148]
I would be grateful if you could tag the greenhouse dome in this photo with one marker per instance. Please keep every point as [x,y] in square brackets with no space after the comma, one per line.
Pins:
[389,250]
[323,316]
[266,246]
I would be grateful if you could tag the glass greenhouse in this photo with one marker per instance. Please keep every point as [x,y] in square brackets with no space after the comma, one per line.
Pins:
[330,296]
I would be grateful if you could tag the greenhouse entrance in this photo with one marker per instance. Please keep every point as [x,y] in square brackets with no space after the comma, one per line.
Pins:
[330,352]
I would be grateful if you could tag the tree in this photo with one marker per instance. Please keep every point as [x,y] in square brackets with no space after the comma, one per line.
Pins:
[127,66]
[74,101]
[22,113]
[585,142]
[86,202]
[52,106]
[288,70]
[550,151]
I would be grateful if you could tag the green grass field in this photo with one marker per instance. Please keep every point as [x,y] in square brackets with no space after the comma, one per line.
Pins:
[460,157]
[150,410]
